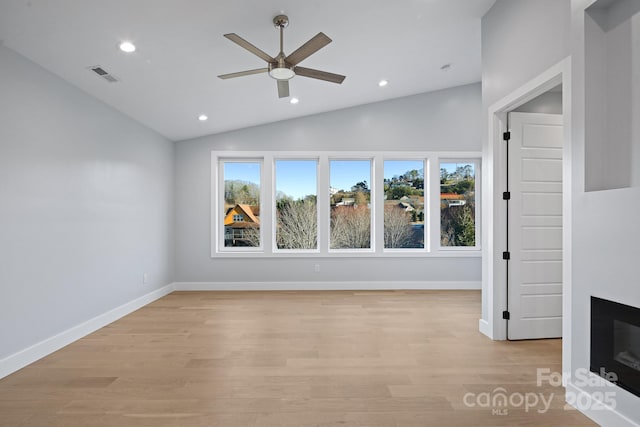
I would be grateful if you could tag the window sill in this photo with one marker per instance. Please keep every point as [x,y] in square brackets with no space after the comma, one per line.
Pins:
[464,253]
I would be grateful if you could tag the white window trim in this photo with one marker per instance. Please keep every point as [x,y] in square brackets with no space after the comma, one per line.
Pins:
[477,171]
[218,215]
[427,202]
[267,204]
[372,213]
[288,156]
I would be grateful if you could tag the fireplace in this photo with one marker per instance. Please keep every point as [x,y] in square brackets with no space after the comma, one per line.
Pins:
[615,343]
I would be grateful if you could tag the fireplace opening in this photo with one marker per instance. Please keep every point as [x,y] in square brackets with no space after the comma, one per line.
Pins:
[626,344]
[615,343]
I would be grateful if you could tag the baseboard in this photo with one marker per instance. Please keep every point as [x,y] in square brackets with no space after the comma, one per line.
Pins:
[604,415]
[19,360]
[325,286]
[484,328]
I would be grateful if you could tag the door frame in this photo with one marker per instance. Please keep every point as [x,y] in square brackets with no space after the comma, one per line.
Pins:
[494,212]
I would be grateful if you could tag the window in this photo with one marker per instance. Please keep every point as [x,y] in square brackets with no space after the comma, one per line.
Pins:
[458,204]
[330,204]
[350,204]
[296,208]
[241,205]
[404,204]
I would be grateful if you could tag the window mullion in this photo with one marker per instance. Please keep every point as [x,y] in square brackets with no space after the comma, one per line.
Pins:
[323,204]
[267,204]
[377,202]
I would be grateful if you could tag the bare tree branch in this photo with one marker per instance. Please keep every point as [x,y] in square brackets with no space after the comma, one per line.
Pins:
[350,227]
[297,225]
[397,228]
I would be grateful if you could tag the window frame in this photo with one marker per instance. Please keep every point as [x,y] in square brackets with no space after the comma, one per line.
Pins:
[268,248]
[427,202]
[274,221]
[219,215]
[477,200]
[372,232]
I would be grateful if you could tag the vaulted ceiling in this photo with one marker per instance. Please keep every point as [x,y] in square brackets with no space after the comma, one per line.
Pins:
[171,78]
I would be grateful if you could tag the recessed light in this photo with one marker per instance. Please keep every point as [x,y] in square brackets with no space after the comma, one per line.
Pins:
[203,117]
[294,100]
[383,83]
[127,47]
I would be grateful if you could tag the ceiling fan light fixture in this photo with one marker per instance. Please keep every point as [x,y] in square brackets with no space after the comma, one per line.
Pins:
[281,73]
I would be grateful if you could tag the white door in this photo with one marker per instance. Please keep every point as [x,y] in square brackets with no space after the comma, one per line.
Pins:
[535,226]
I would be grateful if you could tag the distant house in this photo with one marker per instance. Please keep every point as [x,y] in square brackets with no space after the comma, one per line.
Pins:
[452,199]
[346,201]
[237,220]
[406,207]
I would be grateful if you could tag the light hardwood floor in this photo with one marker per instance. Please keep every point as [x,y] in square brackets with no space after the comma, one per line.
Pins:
[383,358]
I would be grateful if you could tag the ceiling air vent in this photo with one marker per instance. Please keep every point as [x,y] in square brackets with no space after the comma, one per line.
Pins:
[104,74]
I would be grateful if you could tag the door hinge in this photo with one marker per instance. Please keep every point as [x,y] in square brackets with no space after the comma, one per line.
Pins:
[506,255]
[506,195]
[506,136]
[506,315]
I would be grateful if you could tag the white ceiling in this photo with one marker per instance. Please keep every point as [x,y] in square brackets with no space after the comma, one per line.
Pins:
[171,78]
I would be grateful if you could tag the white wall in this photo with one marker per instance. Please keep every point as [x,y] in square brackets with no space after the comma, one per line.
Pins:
[613,63]
[520,40]
[547,103]
[606,232]
[447,120]
[86,206]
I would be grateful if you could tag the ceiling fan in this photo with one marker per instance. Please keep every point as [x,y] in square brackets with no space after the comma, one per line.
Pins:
[284,67]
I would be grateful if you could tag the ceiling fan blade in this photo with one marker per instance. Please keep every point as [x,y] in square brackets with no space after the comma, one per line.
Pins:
[283,88]
[316,43]
[251,48]
[243,73]
[320,75]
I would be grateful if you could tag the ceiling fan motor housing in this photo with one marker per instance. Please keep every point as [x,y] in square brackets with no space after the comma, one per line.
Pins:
[281,21]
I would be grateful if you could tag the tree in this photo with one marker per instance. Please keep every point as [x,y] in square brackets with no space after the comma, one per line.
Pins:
[461,187]
[398,192]
[297,225]
[458,225]
[360,199]
[251,236]
[361,186]
[412,175]
[241,192]
[444,176]
[397,228]
[350,227]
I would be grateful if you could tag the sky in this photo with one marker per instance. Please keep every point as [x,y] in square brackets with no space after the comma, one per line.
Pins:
[296,178]
[399,167]
[344,174]
[243,171]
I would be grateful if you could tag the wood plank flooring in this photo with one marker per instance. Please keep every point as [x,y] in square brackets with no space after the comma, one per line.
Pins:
[257,359]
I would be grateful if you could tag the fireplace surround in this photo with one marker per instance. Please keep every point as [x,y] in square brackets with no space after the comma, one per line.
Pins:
[615,343]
